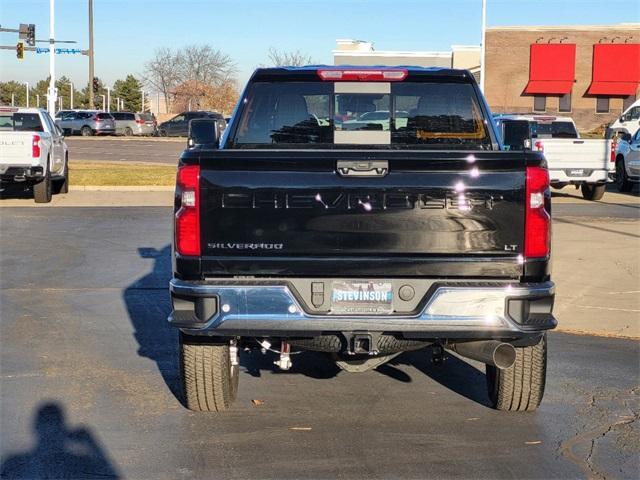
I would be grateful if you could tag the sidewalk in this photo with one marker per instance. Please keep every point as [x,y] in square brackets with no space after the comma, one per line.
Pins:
[101,197]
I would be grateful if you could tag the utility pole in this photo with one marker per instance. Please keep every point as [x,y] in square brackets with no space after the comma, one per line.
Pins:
[27,85]
[483,44]
[52,94]
[91,72]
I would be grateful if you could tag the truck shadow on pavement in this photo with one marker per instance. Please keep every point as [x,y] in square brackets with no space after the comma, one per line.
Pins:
[60,452]
[148,305]
[16,191]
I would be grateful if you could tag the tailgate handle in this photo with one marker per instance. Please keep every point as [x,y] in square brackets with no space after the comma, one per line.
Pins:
[363,168]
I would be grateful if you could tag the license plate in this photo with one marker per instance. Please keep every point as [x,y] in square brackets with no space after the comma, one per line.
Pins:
[361,297]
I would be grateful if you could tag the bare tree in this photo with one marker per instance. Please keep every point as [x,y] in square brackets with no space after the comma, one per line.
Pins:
[280,58]
[163,72]
[201,63]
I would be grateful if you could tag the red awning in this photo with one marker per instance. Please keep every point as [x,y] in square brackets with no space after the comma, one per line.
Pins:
[616,69]
[552,68]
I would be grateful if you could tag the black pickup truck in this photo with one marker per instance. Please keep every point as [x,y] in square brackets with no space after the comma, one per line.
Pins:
[361,212]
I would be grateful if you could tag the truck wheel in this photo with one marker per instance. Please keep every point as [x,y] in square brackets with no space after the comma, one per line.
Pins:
[42,190]
[521,387]
[86,131]
[209,379]
[62,186]
[593,192]
[622,181]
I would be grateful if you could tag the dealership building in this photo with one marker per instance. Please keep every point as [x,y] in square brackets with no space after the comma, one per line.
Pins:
[589,72]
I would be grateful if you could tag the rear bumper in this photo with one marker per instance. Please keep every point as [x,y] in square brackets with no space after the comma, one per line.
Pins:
[572,175]
[447,310]
[20,173]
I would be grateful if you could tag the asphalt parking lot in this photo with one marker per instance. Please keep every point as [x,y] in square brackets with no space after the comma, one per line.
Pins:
[126,149]
[89,376]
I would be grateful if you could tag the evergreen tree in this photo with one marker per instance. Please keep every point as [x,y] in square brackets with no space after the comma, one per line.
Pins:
[130,91]
[17,89]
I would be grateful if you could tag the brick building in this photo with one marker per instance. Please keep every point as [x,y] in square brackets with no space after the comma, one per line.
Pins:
[590,73]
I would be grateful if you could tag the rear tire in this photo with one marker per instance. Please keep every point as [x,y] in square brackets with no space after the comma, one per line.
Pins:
[622,181]
[86,131]
[42,191]
[593,192]
[521,387]
[209,380]
[128,132]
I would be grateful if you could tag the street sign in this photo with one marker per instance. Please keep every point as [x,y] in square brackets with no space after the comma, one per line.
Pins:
[59,51]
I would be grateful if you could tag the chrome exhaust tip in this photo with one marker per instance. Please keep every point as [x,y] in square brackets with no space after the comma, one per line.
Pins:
[492,352]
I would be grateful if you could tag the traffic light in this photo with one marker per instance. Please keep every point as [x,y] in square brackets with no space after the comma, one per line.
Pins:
[31,35]
[20,50]
[96,84]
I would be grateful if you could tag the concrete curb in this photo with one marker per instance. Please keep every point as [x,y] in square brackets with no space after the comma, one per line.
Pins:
[121,188]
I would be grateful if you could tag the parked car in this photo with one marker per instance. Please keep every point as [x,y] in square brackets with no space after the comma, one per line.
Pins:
[87,123]
[586,163]
[178,126]
[129,123]
[628,122]
[628,162]
[33,150]
[290,233]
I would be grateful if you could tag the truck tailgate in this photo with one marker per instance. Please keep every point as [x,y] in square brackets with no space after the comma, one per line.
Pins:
[281,204]
[16,148]
[564,154]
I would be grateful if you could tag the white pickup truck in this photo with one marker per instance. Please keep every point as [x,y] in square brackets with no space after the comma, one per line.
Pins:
[33,152]
[585,163]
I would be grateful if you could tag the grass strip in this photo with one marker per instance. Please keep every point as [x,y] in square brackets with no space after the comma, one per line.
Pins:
[89,173]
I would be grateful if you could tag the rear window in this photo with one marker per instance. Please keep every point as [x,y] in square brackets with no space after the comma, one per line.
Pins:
[345,114]
[555,130]
[104,116]
[20,122]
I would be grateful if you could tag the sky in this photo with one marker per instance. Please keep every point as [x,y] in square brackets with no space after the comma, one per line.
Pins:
[126,32]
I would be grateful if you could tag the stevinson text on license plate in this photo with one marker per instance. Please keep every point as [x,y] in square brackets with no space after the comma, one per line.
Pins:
[361,297]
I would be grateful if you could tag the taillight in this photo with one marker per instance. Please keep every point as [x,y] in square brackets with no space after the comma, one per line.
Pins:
[35,146]
[539,146]
[612,153]
[366,75]
[188,215]
[140,121]
[537,227]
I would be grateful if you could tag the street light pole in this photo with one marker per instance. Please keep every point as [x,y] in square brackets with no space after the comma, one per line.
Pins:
[91,72]
[71,99]
[108,99]
[52,94]
[38,100]
[483,45]
[27,84]
[104,101]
